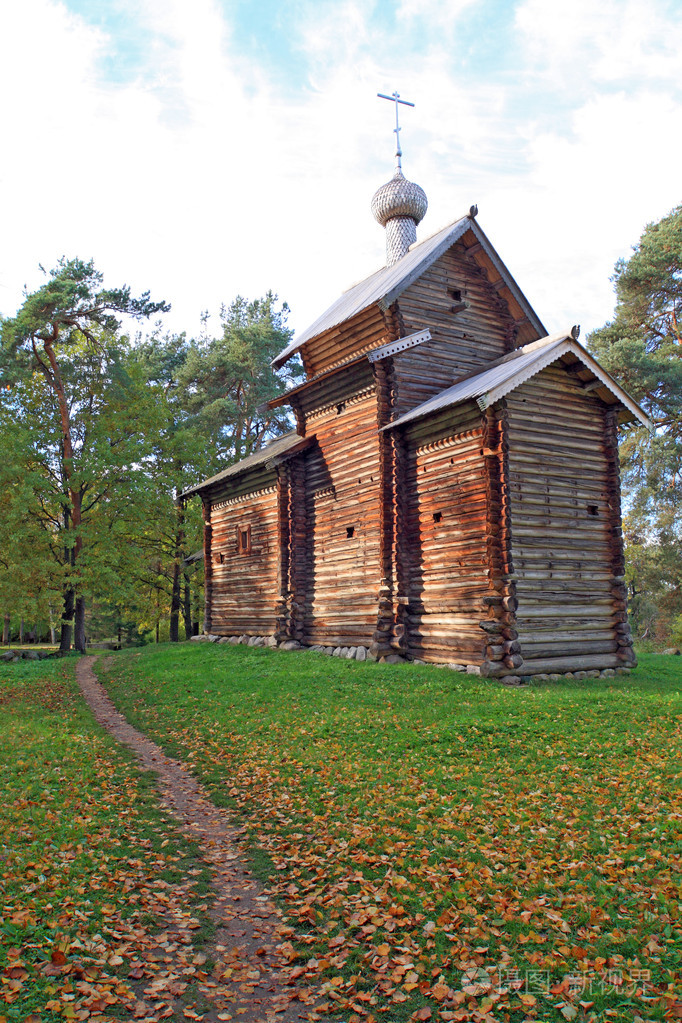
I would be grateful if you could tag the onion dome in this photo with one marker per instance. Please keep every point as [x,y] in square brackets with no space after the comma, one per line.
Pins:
[399,198]
[399,206]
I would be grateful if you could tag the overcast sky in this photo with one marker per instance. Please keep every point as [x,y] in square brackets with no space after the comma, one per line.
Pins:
[205,148]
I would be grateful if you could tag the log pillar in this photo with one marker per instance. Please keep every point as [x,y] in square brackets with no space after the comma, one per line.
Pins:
[383,635]
[299,550]
[208,564]
[502,649]
[401,544]
[284,595]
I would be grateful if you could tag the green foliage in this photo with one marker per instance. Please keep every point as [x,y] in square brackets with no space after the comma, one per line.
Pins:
[99,437]
[229,378]
[418,816]
[71,390]
[642,348]
[643,344]
[112,417]
[70,306]
[30,580]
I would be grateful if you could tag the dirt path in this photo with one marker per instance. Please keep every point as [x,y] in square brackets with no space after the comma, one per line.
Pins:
[249,926]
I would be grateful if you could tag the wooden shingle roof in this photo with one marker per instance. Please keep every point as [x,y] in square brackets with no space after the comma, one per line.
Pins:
[277,449]
[386,285]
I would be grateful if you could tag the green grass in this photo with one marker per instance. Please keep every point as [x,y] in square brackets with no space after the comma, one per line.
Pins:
[86,857]
[410,815]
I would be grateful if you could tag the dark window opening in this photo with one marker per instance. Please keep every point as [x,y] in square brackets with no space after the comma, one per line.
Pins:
[593,509]
[437,516]
[340,407]
[220,558]
[350,531]
[243,539]
[460,302]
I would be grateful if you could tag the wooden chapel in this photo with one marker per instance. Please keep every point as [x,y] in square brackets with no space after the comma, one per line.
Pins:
[451,492]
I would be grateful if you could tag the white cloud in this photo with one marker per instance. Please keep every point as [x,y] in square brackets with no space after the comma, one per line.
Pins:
[442,15]
[198,177]
[585,43]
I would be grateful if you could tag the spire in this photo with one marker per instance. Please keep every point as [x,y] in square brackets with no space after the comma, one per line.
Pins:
[399,205]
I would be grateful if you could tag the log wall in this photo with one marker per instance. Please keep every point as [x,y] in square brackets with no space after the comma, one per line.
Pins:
[363,332]
[243,588]
[445,516]
[463,341]
[341,494]
[565,522]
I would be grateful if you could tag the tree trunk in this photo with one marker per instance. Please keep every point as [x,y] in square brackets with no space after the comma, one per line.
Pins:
[187,606]
[67,620]
[174,631]
[177,561]
[157,630]
[79,635]
[73,511]
[196,608]
[21,632]
[5,630]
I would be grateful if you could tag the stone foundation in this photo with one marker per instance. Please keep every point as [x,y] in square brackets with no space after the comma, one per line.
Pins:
[363,653]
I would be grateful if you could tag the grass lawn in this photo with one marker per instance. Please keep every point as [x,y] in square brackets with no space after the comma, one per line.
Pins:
[92,875]
[447,848]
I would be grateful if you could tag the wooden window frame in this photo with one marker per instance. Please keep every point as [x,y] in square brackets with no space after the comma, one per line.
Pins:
[244,545]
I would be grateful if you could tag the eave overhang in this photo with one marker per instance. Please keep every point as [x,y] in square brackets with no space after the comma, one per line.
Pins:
[272,455]
[504,375]
[295,392]
[376,355]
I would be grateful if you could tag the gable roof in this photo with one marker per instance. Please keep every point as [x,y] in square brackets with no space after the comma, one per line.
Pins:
[505,374]
[273,452]
[384,286]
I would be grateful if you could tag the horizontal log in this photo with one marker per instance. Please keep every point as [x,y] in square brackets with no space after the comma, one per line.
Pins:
[547,665]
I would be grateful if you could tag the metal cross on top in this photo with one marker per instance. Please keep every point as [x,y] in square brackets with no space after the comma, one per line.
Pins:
[395,98]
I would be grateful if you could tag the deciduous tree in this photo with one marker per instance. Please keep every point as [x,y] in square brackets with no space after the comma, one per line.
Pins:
[66,333]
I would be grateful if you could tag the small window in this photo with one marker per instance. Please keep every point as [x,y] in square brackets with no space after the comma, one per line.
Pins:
[219,558]
[350,532]
[437,516]
[593,509]
[243,539]
[340,407]
[459,301]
